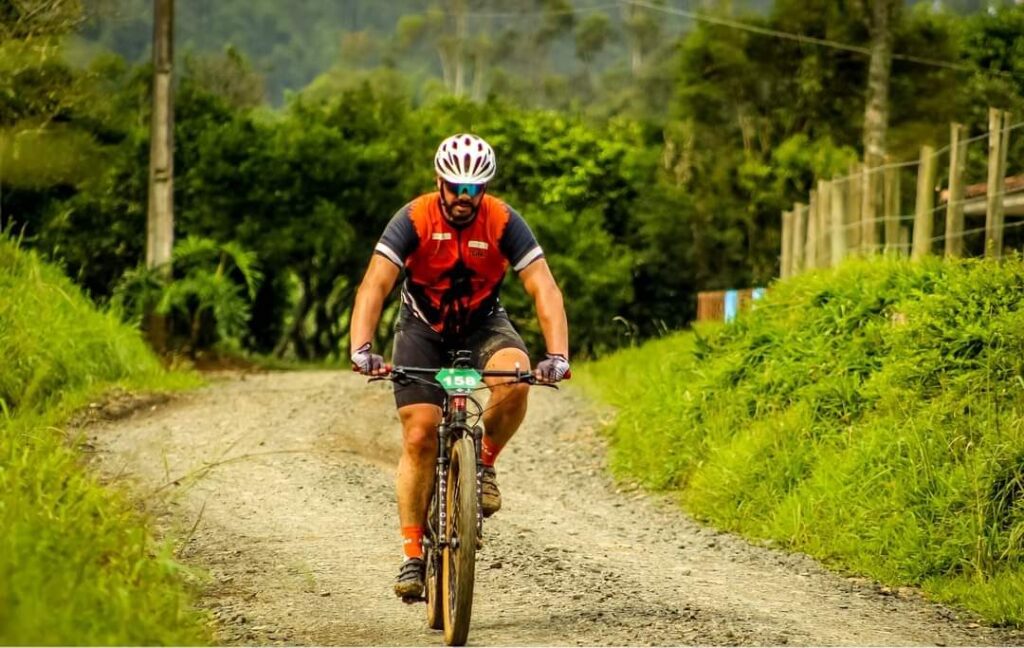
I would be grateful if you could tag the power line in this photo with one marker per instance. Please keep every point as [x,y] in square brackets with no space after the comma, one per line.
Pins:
[525,14]
[801,38]
[756,29]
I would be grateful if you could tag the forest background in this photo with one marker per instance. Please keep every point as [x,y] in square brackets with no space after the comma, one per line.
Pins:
[650,146]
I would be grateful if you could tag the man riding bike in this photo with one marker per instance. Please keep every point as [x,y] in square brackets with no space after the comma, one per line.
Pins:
[455,245]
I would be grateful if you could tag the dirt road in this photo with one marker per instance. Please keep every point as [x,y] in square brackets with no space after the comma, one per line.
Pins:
[285,481]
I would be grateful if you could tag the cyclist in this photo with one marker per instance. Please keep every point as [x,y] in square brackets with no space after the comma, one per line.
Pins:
[455,246]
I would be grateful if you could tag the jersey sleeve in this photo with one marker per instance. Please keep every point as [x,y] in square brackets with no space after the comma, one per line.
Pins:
[518,243]
[399,239]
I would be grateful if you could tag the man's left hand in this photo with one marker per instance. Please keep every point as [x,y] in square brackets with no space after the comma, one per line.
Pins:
[552,368]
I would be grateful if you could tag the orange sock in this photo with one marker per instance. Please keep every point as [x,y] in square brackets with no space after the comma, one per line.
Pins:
[489,451]
[412,542]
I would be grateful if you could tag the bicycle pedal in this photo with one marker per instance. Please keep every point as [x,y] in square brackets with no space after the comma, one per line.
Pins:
[410,600]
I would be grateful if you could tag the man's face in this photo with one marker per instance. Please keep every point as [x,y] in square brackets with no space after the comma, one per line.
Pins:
[462,200]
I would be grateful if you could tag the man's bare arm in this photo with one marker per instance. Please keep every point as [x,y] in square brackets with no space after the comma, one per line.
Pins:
[541,286]
[377,283]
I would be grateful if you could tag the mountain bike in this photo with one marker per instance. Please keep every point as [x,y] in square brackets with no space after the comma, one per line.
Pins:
[454,529]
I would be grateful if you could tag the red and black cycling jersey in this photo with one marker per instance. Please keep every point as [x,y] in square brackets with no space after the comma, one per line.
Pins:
[453,274]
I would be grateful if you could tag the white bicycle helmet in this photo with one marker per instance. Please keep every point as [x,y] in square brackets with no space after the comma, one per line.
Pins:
[465,158]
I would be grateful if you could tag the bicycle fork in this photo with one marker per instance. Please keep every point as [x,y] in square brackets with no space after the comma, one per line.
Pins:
[441,492]
[444,432]
[478,434]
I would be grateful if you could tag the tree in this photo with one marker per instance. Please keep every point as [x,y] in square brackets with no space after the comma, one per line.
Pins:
[880,16]
[592,35]
[457,15]
[228,75]
[359,48]
[417,31]
[644,30]
[28,19]
[557,19]
[994,44]
[42,102]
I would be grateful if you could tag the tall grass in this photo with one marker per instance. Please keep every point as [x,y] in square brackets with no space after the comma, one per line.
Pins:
[872,416]
[77,564]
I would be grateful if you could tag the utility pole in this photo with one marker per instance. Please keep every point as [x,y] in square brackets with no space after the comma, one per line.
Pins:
[160,217]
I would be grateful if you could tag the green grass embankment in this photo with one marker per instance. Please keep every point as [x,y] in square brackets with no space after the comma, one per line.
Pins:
[77,564]
[871,416]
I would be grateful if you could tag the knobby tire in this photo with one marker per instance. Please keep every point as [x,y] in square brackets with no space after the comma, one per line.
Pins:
[459,564]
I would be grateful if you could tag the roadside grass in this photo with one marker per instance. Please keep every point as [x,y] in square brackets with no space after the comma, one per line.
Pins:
[78,564]
[872,416]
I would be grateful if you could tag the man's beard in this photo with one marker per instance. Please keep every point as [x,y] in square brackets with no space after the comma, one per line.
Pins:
[462,218]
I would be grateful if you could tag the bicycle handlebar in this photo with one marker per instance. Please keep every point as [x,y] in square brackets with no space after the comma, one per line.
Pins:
[527,377]
[392,371]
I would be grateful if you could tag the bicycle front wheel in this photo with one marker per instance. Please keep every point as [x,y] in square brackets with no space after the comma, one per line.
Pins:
[459,557]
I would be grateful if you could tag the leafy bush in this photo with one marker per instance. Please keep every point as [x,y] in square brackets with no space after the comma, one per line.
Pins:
[872,416]
[210,292]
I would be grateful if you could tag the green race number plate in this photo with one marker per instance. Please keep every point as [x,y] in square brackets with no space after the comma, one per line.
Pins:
[459,381]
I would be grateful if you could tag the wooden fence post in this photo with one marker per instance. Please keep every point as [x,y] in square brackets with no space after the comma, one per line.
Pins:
[853,186]
[824,222]
[924,217]
[838,202]
[811,256]
[799,237]
[955,200]
[868,231]
[891,209]
[995,214]
[786,258]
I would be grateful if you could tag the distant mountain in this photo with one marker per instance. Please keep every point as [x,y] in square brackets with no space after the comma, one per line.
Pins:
[292,42]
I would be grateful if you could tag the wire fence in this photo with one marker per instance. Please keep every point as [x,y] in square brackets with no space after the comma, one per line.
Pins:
[871,211]
[910,218]
[726,305]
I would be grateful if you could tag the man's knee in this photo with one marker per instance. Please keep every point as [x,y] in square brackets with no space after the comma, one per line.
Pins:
[509,359]
[512,395]
[419,429]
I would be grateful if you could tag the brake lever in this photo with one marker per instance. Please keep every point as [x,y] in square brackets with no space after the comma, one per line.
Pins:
[533,381]
[391,374]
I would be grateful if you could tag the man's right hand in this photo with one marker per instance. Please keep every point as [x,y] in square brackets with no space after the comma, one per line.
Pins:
[366,362]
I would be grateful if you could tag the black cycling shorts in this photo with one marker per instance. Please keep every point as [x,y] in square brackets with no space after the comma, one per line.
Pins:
[418,345]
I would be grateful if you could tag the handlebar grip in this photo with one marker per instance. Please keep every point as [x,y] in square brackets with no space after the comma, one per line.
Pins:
[387,369]
[568,375]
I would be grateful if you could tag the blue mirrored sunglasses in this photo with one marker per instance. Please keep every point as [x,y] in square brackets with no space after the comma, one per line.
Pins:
[470,189]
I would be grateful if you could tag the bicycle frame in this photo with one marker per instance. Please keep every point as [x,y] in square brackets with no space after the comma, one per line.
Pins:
[449,589]
[454,425]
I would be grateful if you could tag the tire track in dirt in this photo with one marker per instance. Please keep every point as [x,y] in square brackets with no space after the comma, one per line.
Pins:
[287,479]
